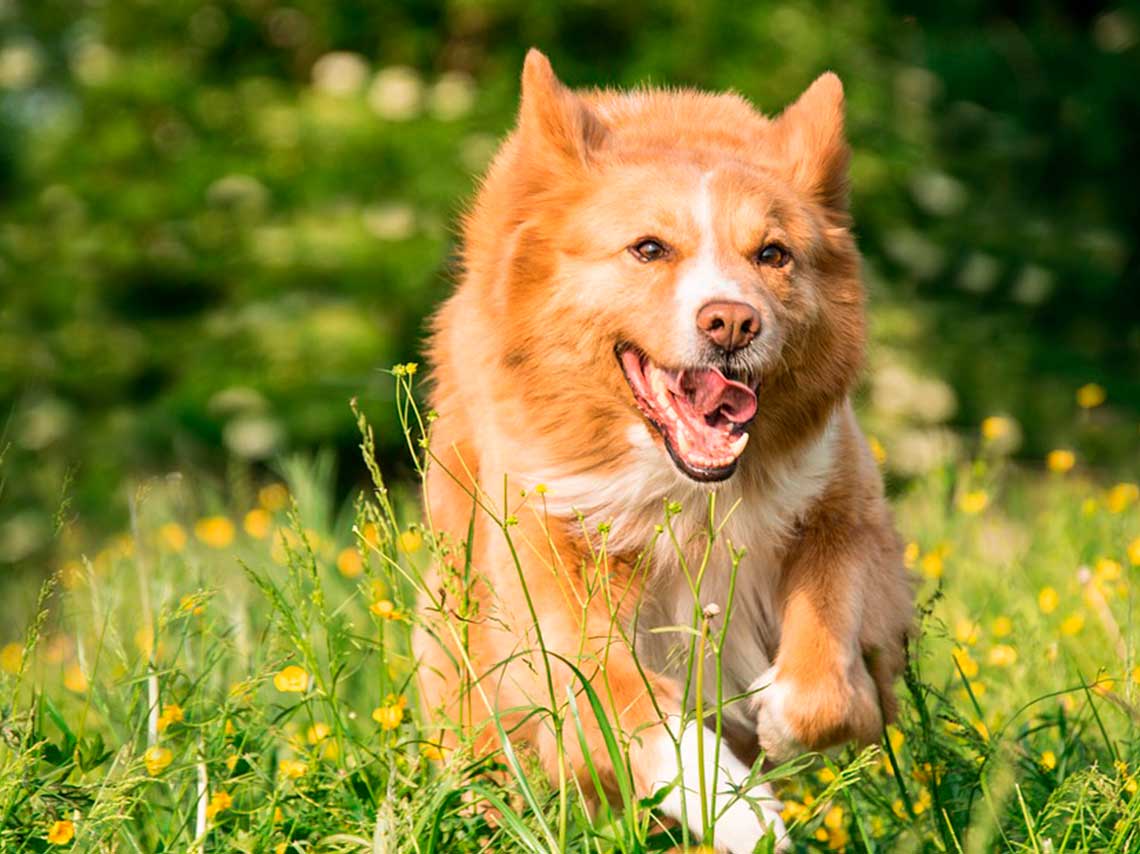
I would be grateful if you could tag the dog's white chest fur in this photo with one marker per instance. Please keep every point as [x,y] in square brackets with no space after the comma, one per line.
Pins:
[753,512]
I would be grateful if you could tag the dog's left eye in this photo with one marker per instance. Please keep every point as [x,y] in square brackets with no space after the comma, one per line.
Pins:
[773,255]
[649,249]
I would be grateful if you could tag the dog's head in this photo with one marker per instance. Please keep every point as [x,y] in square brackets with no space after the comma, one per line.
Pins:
[672,260]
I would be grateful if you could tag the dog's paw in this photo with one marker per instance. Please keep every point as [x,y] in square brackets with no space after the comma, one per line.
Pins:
[740,817]
[793,717]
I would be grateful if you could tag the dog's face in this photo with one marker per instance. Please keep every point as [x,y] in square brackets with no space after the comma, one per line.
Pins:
[681,263]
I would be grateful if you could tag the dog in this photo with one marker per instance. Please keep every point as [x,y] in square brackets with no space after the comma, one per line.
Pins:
[656,332]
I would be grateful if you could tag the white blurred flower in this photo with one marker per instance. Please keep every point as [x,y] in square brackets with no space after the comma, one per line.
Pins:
[20,65]
[396,93]
[340,73]
[253,437]
[392,221]
[452,97]
[916,452]
[899,392]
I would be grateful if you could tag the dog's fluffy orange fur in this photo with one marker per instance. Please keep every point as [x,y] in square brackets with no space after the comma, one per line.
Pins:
[579,352]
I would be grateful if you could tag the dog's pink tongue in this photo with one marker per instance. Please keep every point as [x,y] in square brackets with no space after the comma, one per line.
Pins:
[710,391]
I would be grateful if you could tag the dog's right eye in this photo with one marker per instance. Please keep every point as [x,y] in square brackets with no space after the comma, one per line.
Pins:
[649,249]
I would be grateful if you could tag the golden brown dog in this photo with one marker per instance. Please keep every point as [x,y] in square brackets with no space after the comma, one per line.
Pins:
[661,300]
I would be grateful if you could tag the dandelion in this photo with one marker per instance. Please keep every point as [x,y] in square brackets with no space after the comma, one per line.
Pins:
[349,563]
[1002,626]
[74,679]
[1002,655]
[217,532]
[157,758]
[973,502]
[171,714]
[391,714]
[1073,624]
[1121,497]
[257,523]
[172,536]
[1090,396]
[61,832]
[273,497]
[410,541]
[219,802]
[1048,600]
[11,657]
[877,450]
[291,680]
[1060,460]
[1048,760]
[292,769]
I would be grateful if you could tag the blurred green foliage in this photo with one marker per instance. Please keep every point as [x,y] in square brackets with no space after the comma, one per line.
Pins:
[220,221]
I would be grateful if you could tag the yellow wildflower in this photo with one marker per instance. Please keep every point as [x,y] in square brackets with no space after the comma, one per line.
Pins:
[821,834]
[910,555]
[232,761]
[11,657]
[833,818]
[896,737]
[1107,569]
[966,631]
[1136,674]
[172,536]
[257,523]
[215,531]
[61,832]
[349,562]
[931,564]
[74,679]
[1134,552]
[273,497]
[291,680]
[899,808]
[291,769]
[1048,600]
[983,730]
[385,610]
[825,775]
[1060,460]
[433,751]
[1048,760]
[71,574]
[1073,624]
[1090,396]
[973,502]
[996,427]
[219,802]
[410,541]
[191,603]
[1002,655]
[966,663]
[1121,497]
[877,450]
[171,714]
[1001,626]
[371,534]
[156,758]
[317,733]
[391,714]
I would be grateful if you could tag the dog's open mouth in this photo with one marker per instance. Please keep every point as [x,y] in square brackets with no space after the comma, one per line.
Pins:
[701,413]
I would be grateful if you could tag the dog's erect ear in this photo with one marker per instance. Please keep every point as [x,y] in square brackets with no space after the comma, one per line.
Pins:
[809,137]
[552,116]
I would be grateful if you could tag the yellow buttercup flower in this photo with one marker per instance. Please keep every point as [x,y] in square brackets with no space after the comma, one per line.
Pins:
[1001,626]
[11,657]
[966,663]
[1002,655]
[910,555]
[391,714]
[931,564]
[973,502]
[219,802]
[217,532]
[349,563]
[74,679]
[273,497]
[1134,552]
[1073,624]
[156,758]
[1121,497]
[410,541]
[996,427]
[292,769]
[966,631]
[257,523]
[317,733]
[171,714]
[1060,460]
[877,450]
[1090,396]
[385,610]
[172,536]
[1048,760]
[1108,569]
[61,832]
[291,680]
[896,737]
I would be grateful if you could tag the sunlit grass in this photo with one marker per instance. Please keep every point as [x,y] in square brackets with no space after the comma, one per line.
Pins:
[241,679]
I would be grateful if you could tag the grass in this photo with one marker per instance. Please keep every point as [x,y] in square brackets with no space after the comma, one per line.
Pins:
[241,679]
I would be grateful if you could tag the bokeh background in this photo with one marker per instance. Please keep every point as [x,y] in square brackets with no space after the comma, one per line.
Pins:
[221,221]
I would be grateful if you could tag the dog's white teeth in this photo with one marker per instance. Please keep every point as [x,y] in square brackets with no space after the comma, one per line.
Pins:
[737,444]
[683,444]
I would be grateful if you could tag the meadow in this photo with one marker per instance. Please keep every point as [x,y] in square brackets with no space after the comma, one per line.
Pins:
[233,673]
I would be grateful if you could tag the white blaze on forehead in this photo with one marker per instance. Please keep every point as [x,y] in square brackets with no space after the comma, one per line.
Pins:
[702,279]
